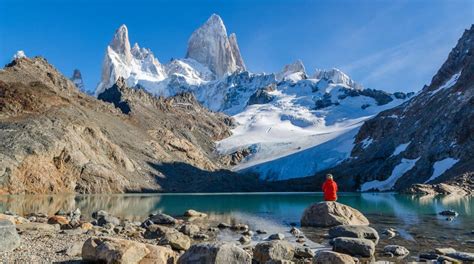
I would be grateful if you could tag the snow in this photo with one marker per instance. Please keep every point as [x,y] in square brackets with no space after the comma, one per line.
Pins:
[403,167]
[366,142]
[19,55]
[441,166]
[400,149]
[450,83]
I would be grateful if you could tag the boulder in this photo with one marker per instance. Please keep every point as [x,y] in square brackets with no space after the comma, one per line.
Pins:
[277,236]
[244,240]
[444,251]
[448,213]
[328,214]
[357,231]
[354,246]
[157,231]
[177,240]
[108,220]
[189,229]
[218,253]
[114,250]
[463,256]
[396,250]
[9,236]
[194,213]
[303,252]
[14,219]
[34,226]
[74,249]
[273,250]
[324,257]
[163,219]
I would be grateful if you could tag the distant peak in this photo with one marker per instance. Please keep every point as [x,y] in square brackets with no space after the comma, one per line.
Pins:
[294,71]
[120,42]
[336,76]
[19,55]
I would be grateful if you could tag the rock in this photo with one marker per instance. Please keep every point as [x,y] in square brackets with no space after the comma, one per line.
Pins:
[396,250]
[303,252]
[86,226]
[34,226]
[449,213]
[273,250]
[354,246]
[447,260]
[240,227]
[14,219]
[261,232]
[357,231]
[295,231]
[177,240]
[247,233]
[218,253]
[244,240]
[390,233]
[156,231]
[201,236]
[58,219]
[428,256]
[300,240]
[163,219]
[194,213]
[74,250]
[189,229]
[327,214]
[324,257]
[114,250]
[277,236]
[77,212]
[223,225]
[99,214]
[463,256]
[108,219]
[10,239]
[444,251]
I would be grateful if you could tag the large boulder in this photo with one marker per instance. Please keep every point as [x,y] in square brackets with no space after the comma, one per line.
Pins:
[114,250]
[327,214]
[163,219]
[354,246]
[177,240]
[218,253]
[9,236]
[273,250]
[357,231]
[396,250]
[323,257]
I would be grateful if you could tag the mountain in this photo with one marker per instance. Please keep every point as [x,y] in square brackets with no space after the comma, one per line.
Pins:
[210,46]
[428,139]
[76,78]
[126,141]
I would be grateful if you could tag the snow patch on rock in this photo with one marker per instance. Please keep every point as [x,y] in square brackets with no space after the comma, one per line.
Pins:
[400,149]
[441,166]
[403,167]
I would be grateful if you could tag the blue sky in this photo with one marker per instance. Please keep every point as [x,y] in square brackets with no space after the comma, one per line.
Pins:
[389,45]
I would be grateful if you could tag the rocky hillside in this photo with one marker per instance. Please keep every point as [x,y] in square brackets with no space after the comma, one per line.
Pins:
[55,139]
[428,139]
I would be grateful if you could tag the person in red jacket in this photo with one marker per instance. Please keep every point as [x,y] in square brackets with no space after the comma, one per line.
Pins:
[330,189]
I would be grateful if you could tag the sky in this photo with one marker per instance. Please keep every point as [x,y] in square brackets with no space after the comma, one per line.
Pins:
[382,44]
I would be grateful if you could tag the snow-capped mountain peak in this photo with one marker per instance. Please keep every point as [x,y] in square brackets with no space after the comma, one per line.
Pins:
[335,75]
[294,72]
[121,44]
[77,79]
[210,46]
[19,55]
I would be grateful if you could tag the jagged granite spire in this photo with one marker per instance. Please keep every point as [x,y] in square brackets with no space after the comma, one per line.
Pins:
[121,44]
[294,71]
[210,45]
[77,79]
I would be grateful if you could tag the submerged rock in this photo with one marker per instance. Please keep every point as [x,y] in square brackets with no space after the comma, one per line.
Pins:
[354,246]
[327,214]
[218,253]
[449,213]
[463,256]
[10,239]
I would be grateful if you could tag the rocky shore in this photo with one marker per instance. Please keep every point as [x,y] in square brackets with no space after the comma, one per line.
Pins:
[195,237]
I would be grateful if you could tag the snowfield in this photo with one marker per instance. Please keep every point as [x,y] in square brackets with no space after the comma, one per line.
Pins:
[403,167]
[441,167]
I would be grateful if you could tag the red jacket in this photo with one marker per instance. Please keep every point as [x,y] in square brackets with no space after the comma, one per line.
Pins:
[330,190]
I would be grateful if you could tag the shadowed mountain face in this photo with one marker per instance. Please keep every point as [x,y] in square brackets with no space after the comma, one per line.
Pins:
[54,139]
[428,139]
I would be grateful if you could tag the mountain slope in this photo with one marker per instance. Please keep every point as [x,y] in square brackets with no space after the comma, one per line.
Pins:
[55,139]
[428,139]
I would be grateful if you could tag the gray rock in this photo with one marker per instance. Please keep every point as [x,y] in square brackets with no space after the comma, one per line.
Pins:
[277,236]
[325,257]
[245,240]
[218,253]
[108,220]
[356,231]
[447,260]
[74,250]
[99,214]
[189,229]
[327,214]
[200,236]
[163,219]
[261,232]
[444,251]
[273,250]
[303,252]
[354,246]
[464,256]
[194,213]
[177,240]
[396,250]
[295,231]
[449,213]
[428,256]
[10,239]
[223,225]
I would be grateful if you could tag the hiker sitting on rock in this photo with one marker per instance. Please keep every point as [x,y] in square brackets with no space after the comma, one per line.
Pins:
[330,189]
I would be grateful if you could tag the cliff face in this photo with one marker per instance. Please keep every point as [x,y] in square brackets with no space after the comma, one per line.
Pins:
[428,139]
[54,139]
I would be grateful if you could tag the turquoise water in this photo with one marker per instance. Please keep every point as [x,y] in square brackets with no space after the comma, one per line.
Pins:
[416,218]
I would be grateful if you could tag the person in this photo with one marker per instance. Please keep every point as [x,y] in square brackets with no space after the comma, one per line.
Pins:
[330,188]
